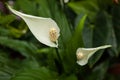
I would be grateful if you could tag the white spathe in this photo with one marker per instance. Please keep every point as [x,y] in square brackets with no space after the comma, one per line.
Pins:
[66,1]
[40,27]
[87,53]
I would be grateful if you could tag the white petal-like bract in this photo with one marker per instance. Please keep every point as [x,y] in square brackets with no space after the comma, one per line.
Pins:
[83,54]
[40,27]
[66,1]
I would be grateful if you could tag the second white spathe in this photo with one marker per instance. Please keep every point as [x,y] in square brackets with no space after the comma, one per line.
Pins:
[83,54]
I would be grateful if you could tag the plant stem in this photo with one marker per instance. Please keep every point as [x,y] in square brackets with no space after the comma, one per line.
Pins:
[59,62]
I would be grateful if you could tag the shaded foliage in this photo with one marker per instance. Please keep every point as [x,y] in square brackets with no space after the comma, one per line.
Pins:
[83,23]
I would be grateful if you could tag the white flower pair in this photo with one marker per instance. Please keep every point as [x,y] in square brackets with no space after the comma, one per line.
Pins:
[47,32]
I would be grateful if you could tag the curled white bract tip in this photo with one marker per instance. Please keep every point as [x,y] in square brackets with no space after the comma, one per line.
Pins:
[66,1]
[83,54]
[41,28]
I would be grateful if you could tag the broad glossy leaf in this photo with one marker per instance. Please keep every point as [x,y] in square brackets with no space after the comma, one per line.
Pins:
[77,35]
[77,38]
[101,34]
[75,41]
[88,7]
[88,34]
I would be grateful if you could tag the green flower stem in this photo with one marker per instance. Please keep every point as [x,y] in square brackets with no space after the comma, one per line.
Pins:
[58,62]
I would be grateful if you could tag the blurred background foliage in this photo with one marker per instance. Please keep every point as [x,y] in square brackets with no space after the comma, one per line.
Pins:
[83,23]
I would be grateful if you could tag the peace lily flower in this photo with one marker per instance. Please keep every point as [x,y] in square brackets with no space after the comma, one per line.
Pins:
[66,1]
[63,1]
[44,29]
[83,54]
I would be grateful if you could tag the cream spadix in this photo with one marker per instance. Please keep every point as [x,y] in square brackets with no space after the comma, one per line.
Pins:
[44,29]
[83,54]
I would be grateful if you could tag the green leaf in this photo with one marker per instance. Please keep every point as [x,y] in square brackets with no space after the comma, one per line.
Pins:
[4,75]
[7,19]
[88,7]
[77,36]
[113,52]
[5,70]
[4,32]
[116,23]
[25,48]
[70,77]
[88,34]
[35,74]
[17,33]
[101,34]
[43,8]
[99,72]
[65,27]
[75,42]
[11,31]
[27,6]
